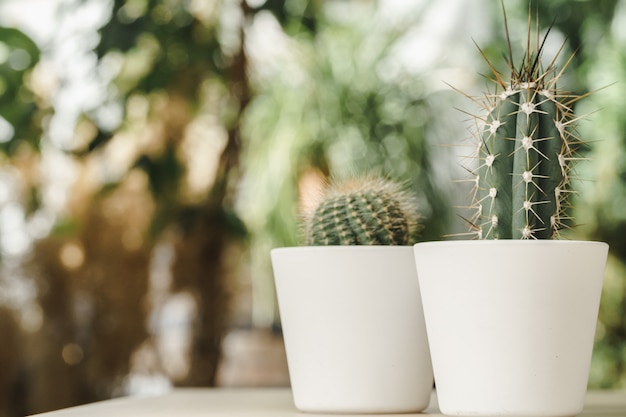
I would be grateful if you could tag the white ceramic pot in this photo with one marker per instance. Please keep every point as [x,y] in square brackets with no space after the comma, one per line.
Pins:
[511,323]
[354,328]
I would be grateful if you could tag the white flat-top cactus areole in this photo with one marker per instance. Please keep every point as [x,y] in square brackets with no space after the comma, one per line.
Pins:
[526,143]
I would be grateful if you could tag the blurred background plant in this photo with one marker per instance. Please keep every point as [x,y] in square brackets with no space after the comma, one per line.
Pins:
[153,151]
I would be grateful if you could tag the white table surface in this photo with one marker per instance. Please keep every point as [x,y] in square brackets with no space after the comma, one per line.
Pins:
[262,402]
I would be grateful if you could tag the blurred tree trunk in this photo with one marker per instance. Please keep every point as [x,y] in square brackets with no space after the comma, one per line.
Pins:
[11,365]
[50,379]
[207,256]
[205,262]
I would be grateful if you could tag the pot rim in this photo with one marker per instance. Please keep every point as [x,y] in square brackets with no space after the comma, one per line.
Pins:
[510,242]
[345,248]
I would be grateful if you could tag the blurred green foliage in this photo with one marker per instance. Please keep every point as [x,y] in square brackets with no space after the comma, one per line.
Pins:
[339,113]
[18,108]
[600,204]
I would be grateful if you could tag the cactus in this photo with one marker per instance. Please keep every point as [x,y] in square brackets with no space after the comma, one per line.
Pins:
[367,210]
[526,144]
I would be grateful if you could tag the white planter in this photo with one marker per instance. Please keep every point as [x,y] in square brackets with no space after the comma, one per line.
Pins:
[354,328]
[511,323]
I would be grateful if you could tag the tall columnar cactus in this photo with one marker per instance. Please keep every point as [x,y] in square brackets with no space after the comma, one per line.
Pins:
[526,143]
[367,210]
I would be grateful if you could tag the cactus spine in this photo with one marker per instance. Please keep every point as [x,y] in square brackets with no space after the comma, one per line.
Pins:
[526,143]
[367,210]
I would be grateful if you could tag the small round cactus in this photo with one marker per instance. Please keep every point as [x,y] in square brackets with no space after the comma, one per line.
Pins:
[367,210]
